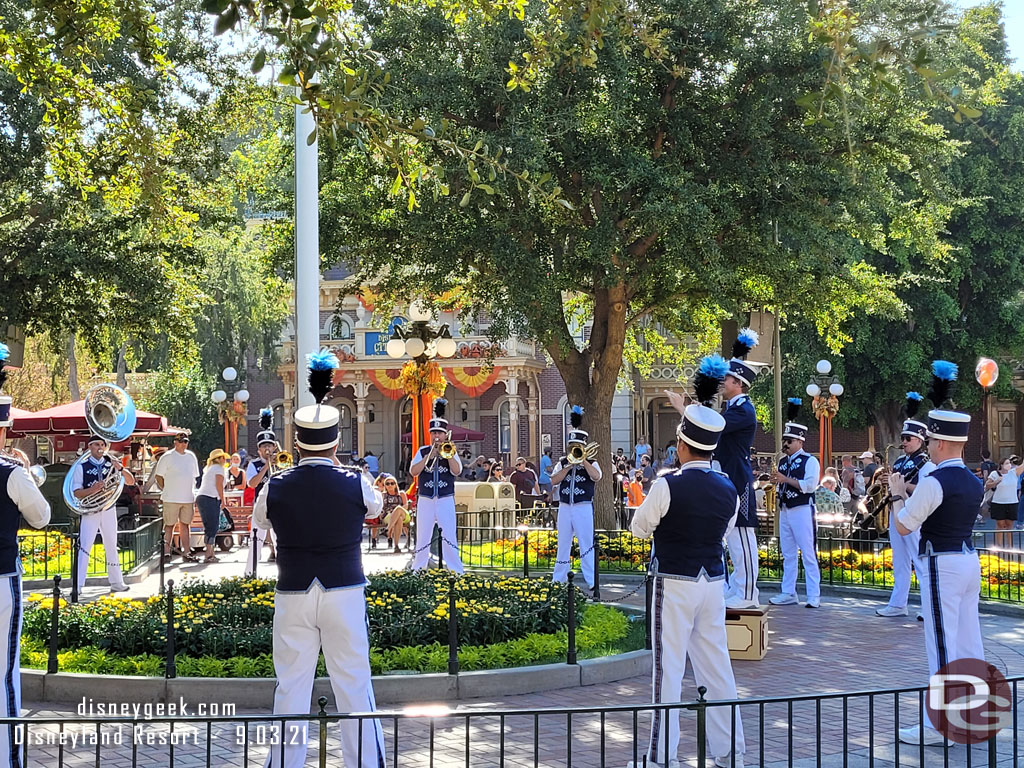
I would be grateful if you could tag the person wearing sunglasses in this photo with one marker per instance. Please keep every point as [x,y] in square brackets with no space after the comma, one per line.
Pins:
[914,467]
[797,478]
[396,510]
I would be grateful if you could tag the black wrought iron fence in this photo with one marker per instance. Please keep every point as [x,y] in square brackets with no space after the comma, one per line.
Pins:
[842,728]
[52,551]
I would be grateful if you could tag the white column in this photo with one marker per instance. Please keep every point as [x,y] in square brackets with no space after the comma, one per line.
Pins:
[512,388]
[362,391]
[307,249]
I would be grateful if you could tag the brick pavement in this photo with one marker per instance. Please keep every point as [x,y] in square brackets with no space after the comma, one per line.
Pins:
[841,647]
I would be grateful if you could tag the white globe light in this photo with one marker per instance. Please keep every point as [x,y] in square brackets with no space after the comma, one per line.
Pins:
[813,390]
[242,395]
[836,389]
[395,348]
[230,374]
[219,396]
[415,346]
[823,367]
[446,347]
[418,312]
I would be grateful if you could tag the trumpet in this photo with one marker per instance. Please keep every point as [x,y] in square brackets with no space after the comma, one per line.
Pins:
[445,450]
[283,460]
[578,453]
[19,457]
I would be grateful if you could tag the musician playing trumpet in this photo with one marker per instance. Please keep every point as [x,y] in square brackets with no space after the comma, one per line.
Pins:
[908,470]
[436,465]
[576,481]
[90,478]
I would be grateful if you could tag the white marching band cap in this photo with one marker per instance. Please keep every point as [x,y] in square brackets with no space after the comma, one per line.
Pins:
[316,426]
[739,368]
[912,427]
[701,426]
[945,424]
[576,433]
[266,433]
[439,423]
[794,430]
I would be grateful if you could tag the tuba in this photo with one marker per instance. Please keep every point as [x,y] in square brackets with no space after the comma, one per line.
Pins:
[19,457]
[110,413]
[577,453]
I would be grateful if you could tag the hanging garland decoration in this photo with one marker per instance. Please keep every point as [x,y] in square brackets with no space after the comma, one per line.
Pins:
[822,406]
[426,379]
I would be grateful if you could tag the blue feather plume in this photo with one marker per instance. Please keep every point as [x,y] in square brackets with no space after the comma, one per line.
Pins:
[945,370]
[710,374]
[714,366]
[5,351]
[745,341]
[322,365]
[323,360]
[793,408]
[913,403]
[266,418]
[575,416]
[795,401]
[915,396]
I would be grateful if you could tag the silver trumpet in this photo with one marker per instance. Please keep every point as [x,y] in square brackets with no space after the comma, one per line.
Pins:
[110,413]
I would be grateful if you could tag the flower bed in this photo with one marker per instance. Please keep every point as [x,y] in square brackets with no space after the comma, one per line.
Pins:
[225,629]
[48,553]
[619,552]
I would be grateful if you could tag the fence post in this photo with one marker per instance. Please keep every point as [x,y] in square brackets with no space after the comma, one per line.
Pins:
[453,629]
[526,552]
[163,559]
[170,670]
[76,544]
[322,722]
[51,662]
[702,725]
[570,657]
[440,546]
[648,599]
[597,568]
[830,560]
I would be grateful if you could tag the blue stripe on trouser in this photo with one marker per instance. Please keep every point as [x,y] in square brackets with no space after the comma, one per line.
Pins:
[940,637]
[12,664]
[659,597]
[748,587]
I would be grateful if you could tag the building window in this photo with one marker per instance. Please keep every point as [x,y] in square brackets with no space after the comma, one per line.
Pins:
[345,428]
[338,327]
[504,428]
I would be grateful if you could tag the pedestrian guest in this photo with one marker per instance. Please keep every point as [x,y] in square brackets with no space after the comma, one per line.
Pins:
[544,478]
[643,448]
[1004,482]
[525,481]
[176,474]
[210,500]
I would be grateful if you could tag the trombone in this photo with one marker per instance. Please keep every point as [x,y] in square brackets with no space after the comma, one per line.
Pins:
[577,453]
[283,460]
[446,451]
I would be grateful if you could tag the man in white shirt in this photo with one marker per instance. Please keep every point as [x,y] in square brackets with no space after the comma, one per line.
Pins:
[176,475]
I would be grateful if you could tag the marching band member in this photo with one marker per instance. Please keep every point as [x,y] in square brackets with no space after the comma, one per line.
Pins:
[257,474]
[19,496]
[913,467]
[88,480]
[435,494]
[576,505]
[317,510]
[733,456]
[689,512]
[797,478]
[943,508]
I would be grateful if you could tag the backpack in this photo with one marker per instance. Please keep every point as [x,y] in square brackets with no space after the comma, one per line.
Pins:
[858,484]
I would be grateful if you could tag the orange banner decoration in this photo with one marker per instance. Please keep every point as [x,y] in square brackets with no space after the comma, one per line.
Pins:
[472,381]
[388,382]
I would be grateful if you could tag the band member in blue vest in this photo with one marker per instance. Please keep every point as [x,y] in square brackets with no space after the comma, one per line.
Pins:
[576,504]
[733,456]
[88,480]
[317,510]
[19,496]
[257,474]
[943,508]
[913,467]
[689,512]
[797,477]
[435,494]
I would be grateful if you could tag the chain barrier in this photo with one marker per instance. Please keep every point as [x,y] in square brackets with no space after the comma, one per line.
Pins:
[628,595]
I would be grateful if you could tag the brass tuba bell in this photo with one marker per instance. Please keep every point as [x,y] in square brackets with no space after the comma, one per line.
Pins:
[578,452]
[110,413]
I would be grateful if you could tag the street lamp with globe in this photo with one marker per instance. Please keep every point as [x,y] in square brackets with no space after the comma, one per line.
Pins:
[825,407]
[231,407]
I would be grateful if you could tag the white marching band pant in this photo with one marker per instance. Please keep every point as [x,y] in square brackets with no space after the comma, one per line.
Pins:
[742,543]
[441,511]
[10,647]
[105,523]
[689,620]
[257,538]
[904,555]
[575,519]
[333,621]
[950,590]
[796,532]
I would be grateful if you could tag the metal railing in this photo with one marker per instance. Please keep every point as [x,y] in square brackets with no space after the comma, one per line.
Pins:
[848,728]
[52,550]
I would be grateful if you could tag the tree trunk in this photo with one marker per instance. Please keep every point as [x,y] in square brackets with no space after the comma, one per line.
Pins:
[888,425]
[122,366]
[76,393]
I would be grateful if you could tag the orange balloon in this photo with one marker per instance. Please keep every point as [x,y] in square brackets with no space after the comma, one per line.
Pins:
[987,372]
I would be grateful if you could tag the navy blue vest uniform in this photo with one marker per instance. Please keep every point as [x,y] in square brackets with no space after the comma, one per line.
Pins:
[949,527]
[910,466]
[688,539]
[317,512]
[436,483]
[733,455]
[10,516]
[259,464]
[794,466]
[576,487]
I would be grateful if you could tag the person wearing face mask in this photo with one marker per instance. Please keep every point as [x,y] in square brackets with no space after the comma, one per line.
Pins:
[257,475]
[236,479]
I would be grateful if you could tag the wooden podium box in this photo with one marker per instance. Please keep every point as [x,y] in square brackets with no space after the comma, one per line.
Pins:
[747,632]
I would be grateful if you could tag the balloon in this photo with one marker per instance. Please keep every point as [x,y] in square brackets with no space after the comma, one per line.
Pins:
[987,372]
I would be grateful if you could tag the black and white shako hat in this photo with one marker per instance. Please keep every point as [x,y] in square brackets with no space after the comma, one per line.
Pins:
[439,423]
[739,368]
[316,426]
[576,433]
[912,427]
[701,425]
[793,429]
[266,433]
[942,424]
[5,400]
